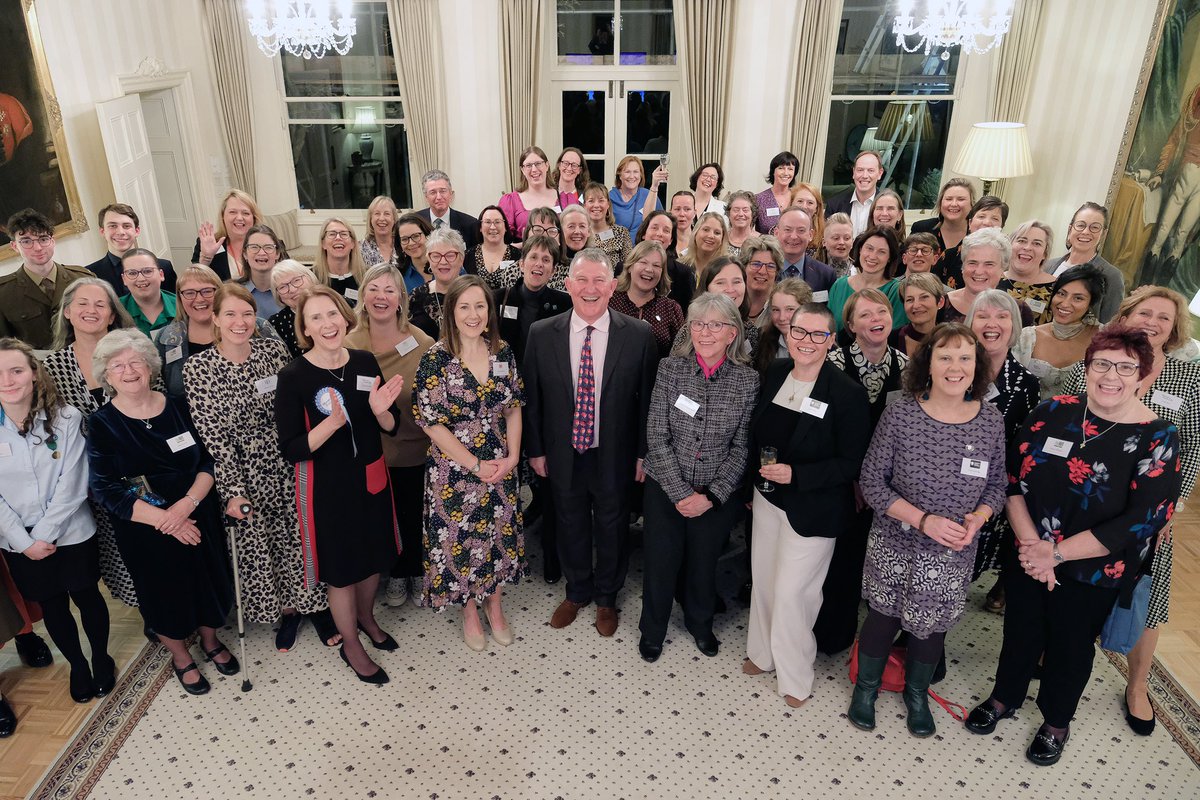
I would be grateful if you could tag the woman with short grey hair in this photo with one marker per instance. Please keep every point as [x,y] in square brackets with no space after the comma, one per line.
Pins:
[446,252]
[700,413]
[985,257]
[155,480]
[289,279]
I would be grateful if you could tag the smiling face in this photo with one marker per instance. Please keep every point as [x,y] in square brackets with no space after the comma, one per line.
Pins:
[336,241]
[683,208]
[794,232]
[491,223]
[90,311]
[383,219]
[439,196]
[197,298]
[784,174]
[534,167]
[35,249]
[631,176]
[324,324]
[952,368]
[576,231]
[920,306]
[537,265]
[709,236]
[982,269]
[986,218]
[471,314]
[887,212]
[412,240]
[1110,392]
[761,271]
[445,262]
[730,283]
[806,201]
[994,327]
[712,345]
[839,238]
[120,232]
[1086,231]
[590,286]
[646,272]
[235,321]
[740,214]
[1070,303]
[237,218]
[871,323]
[706,181]
[261,253]
[597,205]
[128,373]
[382,299]
[867,172]
[919,258]
[873,256]
[783,307]
[956,202]
[290,290]
[16,379]
[1029,252]
[142,277]
[1156,317]
[804,351]
[659,230]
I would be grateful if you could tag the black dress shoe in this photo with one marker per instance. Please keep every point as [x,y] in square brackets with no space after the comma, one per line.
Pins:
[104,676]
[719,607]
[8,719]
[378,677]
[289,626]
[708,644]
[81,688]
[230,667]
[388,643]
[199,687]
[1142,727]
[552,573]
[1046,748]
[33,650]
[983,718]
[650,651]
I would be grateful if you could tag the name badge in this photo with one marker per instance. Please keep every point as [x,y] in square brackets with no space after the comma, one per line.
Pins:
[267,384]
[992,392]
[500,369]
[821,296]
[893,396]
[604,236]
[5,449]
[557,210]
[1036,306]
[351,294]
[1057,447]
[506,263]
[406,346]
[1166,400]
[181,442]
[365,382]
[974,467]
[174,354]
[814,407]
[687,405]
[509,312]
[772,212]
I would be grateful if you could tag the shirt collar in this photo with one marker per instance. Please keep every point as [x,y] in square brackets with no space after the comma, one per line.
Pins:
[867,202]
[578,325]
[52,275]
[709,371]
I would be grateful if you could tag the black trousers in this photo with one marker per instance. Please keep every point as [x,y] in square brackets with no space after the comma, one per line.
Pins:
[593,513]
[672,541]
[1063,625]
[408,494]
[837,621]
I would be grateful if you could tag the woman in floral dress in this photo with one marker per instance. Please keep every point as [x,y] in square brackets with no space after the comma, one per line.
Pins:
[468,399]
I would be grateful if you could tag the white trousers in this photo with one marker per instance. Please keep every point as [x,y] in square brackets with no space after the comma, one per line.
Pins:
[789,570]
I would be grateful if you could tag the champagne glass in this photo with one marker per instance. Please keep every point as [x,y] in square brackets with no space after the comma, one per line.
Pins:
[767,456]
[664,160]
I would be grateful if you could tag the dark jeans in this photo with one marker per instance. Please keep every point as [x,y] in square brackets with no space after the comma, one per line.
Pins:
[1062,625]
[671,541]
[593,513]
[408,493]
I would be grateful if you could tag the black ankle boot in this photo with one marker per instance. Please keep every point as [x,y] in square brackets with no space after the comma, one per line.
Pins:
[866,689]
[916,697]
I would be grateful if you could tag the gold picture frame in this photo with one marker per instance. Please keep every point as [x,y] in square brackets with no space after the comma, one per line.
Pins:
[35,169]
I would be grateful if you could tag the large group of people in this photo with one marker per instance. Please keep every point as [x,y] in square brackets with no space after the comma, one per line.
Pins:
[892,413]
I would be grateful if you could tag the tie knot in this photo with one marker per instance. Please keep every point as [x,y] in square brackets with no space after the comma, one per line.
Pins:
[437,223]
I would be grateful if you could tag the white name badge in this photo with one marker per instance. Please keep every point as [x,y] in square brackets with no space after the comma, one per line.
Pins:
[772,212]
[181,442]
[821,296]
[509,312]
[604,236]
[174,354]
[267,384]
[687,405]
[1166,400]
[893,396]
[1036,306]
[506,263]
[557,210]
[351,294]
[1058,447]
[976,468]
[500,369]
[365,382]
[406,346]
[992,392]
[5,449]
[814,407]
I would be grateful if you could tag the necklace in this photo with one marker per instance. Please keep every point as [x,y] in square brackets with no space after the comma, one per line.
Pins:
[1065,332]
[342,376]
[1083,430]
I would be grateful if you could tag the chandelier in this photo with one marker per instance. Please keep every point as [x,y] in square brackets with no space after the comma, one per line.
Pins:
[951,23]
[304,28]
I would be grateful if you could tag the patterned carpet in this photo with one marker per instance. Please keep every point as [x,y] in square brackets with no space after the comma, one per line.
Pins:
[565,713]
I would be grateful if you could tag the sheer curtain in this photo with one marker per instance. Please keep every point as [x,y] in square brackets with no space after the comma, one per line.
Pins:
[1012,75]
[417,30]
[225,25]
[521,24]
[705,33]
[816,41]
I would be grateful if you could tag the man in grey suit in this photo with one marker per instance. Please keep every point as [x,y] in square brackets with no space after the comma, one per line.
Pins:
[588,377]
[439,194]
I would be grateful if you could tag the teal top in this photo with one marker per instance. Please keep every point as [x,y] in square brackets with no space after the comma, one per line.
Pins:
[840,292]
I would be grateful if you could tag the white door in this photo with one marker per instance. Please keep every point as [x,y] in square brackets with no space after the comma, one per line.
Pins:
[171,175]
[131,165]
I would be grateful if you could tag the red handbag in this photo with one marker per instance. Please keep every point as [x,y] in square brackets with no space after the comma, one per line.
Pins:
[893,679]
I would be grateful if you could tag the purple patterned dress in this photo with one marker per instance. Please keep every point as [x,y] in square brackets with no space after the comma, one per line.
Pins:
[919,459]
[474,539]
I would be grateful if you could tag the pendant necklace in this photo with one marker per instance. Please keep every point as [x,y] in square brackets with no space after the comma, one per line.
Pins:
[1083,430]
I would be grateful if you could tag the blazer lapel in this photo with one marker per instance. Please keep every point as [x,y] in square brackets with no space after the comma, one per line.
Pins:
[561,343]
[616,340]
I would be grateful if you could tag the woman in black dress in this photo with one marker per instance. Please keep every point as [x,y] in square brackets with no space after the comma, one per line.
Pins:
[330,405]
[150,472]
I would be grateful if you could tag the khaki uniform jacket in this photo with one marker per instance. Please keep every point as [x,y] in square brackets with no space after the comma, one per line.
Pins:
[26,312]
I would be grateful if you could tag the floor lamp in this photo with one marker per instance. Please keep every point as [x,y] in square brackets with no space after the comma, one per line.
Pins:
[995,150]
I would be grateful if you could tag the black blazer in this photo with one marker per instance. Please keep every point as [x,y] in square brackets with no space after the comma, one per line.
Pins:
[839,202]
[551,303]
[818,275]
[825,454]
[630,364]
[220,262]
[109,268]
[465,224]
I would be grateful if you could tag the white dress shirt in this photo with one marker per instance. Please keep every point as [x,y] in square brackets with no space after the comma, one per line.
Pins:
[45,494]
[599,348]
[860,212]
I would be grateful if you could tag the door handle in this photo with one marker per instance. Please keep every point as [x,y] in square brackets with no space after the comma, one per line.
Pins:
[610,83]
[621,91]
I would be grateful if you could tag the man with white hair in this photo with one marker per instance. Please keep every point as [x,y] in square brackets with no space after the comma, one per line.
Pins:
[439,194]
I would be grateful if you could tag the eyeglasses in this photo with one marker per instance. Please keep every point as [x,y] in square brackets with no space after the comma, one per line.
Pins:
[192,294]
[122,368]
[800,334]
[571,165]
[337,234]
[920,250]
[260,248]
[756,265]
[294,285]
[144,272]
[1095,227]
[492,223]
[538,230]
[1126,369]
[533,165]
[416,237]
[698,325]
[30,241]
[444,258]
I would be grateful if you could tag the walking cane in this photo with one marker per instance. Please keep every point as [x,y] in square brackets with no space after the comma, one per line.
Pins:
[237,596]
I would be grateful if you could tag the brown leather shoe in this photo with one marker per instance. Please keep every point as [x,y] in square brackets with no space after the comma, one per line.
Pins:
[606,620]
[565,614]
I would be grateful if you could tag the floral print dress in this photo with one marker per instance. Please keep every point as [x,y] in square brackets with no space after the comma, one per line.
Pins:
[473,530]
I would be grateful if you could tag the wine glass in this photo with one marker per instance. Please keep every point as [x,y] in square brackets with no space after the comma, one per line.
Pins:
[664,160]
[767,456]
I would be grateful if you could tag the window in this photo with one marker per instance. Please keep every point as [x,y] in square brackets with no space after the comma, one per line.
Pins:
[891,101]
[346,119]
[587,33]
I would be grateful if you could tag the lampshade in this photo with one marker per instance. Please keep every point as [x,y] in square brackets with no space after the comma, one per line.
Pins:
[1194,307]
[872,142]
[366,120]
[906,120]
[995,150]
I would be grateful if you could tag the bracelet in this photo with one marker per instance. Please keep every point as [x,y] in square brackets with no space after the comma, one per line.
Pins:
[980,514]
[921,524]
[195,502]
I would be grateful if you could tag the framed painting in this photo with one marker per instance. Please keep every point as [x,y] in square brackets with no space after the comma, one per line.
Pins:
[35,171]
[1154,195]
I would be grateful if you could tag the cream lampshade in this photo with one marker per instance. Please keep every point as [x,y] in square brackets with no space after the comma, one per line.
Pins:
[995,150]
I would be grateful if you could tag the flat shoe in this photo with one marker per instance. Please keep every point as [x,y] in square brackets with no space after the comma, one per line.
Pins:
[81,688]
[1046,748]
[708,645]
[33,650]
[983,718]
[230,667]
[104,677]
[199,687]
[376,678]
[8,719]
[285,637]
[1142,727]
[649,651]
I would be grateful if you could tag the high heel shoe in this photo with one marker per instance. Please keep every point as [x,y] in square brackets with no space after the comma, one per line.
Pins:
[388,644]
[377,678]
[199,687]
[503,636]
[476,641]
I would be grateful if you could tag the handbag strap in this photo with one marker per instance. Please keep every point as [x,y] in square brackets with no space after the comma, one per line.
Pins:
[960,714]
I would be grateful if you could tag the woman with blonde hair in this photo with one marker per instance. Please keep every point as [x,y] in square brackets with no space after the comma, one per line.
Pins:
[610,237]
[642,289]
[808,198]
[710,241]
[220,246]
[339,263]
[631,198]
[379,245]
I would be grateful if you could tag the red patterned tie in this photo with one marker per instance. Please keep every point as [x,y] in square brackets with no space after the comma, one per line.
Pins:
[585,398]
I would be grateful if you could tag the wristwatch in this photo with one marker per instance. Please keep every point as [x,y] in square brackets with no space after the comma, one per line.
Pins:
[475,469]
[1058,557]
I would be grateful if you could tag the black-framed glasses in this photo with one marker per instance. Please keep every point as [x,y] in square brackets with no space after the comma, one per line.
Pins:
[337,234]
[800,334]
[1095,227]
[1126,369]
[192,294]
[713,326]
[571,165]
[416,237]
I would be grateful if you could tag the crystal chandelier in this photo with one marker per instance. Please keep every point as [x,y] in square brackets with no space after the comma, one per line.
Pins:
[304,28]
[950,23]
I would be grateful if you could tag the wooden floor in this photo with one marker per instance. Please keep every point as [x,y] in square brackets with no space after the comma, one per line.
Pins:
[49,718]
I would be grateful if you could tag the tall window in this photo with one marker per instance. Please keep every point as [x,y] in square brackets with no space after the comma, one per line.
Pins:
[884,99]
[346,119]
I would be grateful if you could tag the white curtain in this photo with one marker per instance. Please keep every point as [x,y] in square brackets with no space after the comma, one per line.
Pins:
[521,24]
[225,24]
[705,32]
[1012,76]
[816,41]
[417,43]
